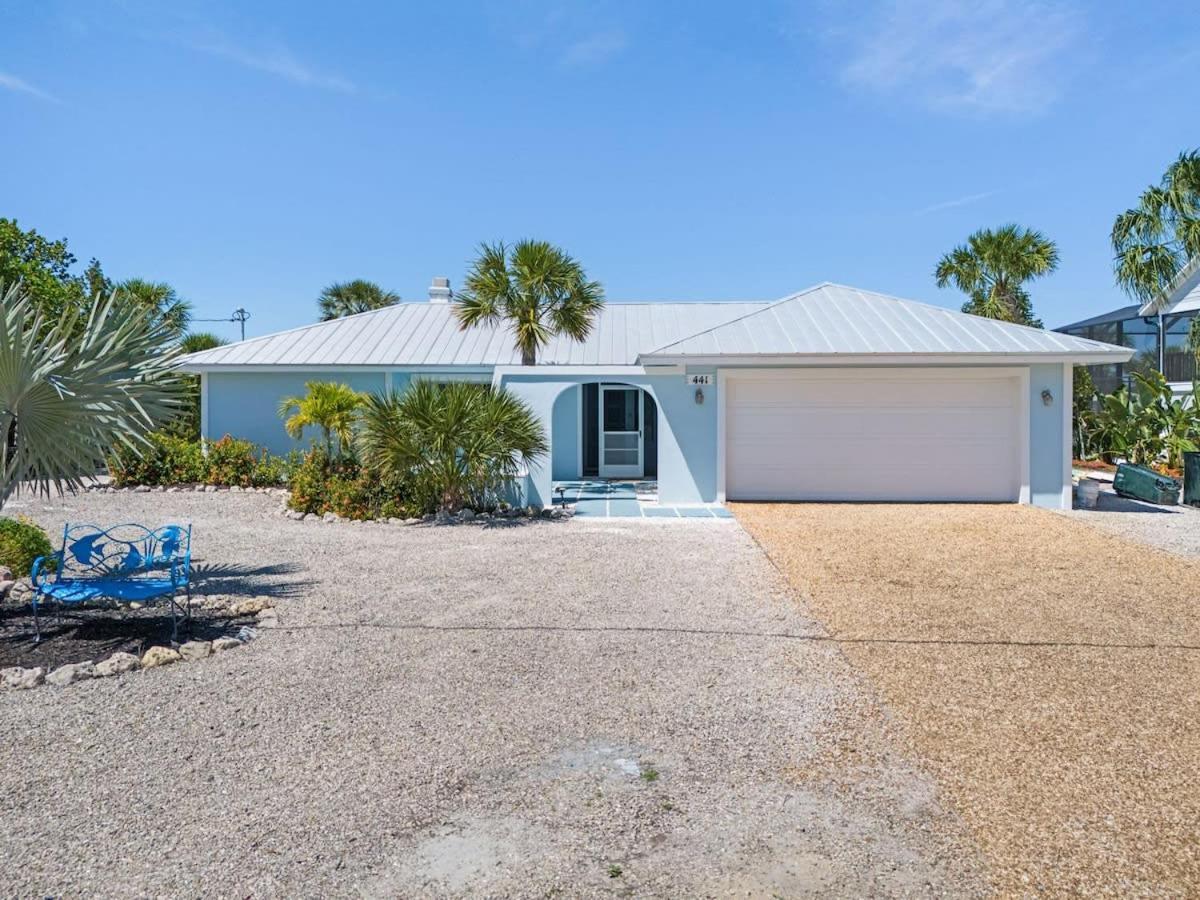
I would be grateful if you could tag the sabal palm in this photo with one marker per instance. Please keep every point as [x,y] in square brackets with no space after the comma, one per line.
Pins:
[160,299]
[992,268]
[1154,240]
[328,406]
[197,341]
[347,298]
[69,395]
[537,288]
[459,442]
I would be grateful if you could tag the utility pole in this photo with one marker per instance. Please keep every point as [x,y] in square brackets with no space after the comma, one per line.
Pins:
[240,315]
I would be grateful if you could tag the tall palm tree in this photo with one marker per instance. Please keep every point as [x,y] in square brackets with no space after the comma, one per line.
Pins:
[346,298]
[537,288]
[992,267]
[162,300]
[1154,240]
[68,395]
[328,406]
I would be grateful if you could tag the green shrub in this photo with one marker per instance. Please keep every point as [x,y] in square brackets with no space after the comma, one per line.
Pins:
[21,542]
[171,459]
[321,484]
[168,460]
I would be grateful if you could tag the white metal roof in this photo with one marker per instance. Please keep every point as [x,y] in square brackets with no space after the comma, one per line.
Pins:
[825,321]
[428,334]
[831,320]
[1184,293]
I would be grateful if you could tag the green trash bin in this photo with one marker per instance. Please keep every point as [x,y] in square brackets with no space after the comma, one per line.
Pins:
[1191,477]
[1141,483]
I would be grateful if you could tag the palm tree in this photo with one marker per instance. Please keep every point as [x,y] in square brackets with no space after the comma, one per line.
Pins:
[161,299]
[992,269]
[68,396]
[328,406]
[537,288]
[346,298]
[1154,240]
[197,341]
[457,443]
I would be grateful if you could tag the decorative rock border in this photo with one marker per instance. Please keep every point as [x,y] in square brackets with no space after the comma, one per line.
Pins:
[183,489]
[263,608]
[464,516]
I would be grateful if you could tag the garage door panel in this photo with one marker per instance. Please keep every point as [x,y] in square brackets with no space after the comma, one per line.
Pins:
[867,436]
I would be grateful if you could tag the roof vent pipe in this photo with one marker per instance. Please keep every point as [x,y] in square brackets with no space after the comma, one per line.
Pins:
[439,290]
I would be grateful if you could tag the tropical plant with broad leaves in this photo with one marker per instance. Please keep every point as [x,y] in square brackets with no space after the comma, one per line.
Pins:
[70,392]
[992,268]
[328,406]
[536,288]
[1147,422]
[347,298]
[458,444]
[1154,240]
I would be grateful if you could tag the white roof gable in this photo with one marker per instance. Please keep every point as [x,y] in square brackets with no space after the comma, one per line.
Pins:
[834,320]
[1184,295]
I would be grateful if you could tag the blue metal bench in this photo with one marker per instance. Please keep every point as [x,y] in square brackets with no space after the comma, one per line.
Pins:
[127,563]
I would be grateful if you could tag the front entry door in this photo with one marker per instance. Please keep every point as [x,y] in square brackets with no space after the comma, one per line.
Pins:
[620,432]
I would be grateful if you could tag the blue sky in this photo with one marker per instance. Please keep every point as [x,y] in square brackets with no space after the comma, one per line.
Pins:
[252,153]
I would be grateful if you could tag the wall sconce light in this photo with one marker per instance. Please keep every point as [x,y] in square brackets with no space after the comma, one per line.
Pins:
[699,396]
[1047,397]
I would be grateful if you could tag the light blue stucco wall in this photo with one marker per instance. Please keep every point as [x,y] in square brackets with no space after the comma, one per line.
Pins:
[1046,451]
[564,448]
[246,404]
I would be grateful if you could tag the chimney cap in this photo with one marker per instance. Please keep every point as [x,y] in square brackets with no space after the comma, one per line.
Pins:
[439,290]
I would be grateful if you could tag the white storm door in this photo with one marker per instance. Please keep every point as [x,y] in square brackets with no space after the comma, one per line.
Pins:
[620,431]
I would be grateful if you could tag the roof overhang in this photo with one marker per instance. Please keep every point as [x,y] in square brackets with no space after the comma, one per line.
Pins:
[1185,281]
[1116,355]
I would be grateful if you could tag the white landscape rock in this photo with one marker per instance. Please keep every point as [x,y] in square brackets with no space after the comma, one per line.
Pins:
[117,664]
[221,644]
[159,656]
[5,586]
[194,650]
[252,606]
[72,672]
[21,679]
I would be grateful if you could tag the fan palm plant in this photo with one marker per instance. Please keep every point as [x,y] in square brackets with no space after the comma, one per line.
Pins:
[992,269]
[347,298]
[460,443]
[537,288]
[328,406]
[70,394]
[1154,240]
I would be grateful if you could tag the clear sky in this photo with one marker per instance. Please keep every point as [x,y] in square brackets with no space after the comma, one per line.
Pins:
[252,152]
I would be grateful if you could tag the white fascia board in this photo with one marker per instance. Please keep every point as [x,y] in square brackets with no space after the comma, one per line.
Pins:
[199,368]
[902,359]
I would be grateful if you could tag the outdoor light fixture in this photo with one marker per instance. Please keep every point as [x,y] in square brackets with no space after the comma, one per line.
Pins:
[699,396]
[1047,397]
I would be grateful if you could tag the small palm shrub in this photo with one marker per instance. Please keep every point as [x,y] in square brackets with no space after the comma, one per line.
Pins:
[21,542]
[458,444]
[328,406]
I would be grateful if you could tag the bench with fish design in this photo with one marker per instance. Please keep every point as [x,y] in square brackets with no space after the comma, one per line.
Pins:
[127,563]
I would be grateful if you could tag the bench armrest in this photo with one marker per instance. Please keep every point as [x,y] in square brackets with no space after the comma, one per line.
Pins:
[35,572]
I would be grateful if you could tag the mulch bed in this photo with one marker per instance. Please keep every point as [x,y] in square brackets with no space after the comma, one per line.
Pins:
[96,633]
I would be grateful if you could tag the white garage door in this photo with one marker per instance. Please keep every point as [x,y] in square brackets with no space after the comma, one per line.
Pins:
[854,434]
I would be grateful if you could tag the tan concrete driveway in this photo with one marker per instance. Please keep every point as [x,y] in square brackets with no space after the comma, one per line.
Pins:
[1048,673]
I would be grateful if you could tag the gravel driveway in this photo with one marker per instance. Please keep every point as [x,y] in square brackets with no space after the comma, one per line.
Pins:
[1175,529]
[1047,671]
[550,707]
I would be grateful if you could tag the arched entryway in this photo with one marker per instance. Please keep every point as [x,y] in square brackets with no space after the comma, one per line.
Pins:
[618,431]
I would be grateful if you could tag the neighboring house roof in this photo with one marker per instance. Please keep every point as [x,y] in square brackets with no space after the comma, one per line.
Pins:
[824,321]
[831,320]
[1184,293]
[428,334]
[1116,315]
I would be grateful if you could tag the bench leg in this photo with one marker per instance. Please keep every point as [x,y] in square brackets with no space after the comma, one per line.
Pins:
[37,623]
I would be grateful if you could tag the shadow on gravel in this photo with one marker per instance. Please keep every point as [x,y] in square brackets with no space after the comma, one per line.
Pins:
[248,581]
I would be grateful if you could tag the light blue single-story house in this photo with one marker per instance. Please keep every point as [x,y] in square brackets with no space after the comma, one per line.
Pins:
[832,393]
